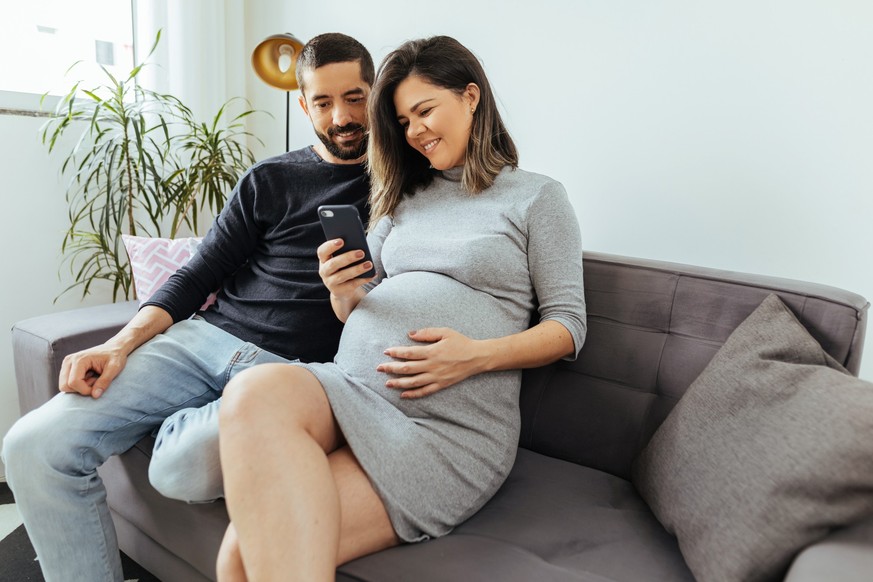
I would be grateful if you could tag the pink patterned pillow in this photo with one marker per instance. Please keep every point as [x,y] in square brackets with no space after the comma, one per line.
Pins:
[153,260]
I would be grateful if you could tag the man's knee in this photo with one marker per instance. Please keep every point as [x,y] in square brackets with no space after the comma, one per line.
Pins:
[10,453]
[185,463]
[167,475]
[186,485]
[32,445]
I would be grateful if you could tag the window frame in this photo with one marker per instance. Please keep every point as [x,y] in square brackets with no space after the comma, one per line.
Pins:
[26,104]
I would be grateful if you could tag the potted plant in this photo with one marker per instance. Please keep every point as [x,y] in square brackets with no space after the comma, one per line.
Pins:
[141,161]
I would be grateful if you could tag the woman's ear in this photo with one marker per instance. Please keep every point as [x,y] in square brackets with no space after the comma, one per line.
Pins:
[471,93]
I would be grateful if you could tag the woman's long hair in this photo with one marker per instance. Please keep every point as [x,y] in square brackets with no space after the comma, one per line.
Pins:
[395,167]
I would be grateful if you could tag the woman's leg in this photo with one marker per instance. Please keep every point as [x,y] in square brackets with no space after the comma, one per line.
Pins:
[360,510]
[185,463]
[230,565]
[365,527]
[283,494]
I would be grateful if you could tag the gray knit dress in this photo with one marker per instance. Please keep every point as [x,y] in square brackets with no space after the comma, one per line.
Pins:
[479,264]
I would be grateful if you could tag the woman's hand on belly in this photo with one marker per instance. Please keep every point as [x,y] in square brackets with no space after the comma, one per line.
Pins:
[448,357]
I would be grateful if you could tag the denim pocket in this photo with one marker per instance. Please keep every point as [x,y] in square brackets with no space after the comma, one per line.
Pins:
[250,355]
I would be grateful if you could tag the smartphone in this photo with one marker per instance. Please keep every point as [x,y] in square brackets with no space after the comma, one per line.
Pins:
[343,221]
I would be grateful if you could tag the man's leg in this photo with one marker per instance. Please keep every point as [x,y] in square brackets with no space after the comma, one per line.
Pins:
[185,463]
[52,453]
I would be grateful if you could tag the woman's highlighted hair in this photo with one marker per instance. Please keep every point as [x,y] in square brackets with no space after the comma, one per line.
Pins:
[395,167]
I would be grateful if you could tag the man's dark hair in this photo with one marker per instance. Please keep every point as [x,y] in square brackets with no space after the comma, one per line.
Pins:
[334,47]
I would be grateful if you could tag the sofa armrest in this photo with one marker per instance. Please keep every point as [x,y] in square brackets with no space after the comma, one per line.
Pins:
[40,344]
[845,555]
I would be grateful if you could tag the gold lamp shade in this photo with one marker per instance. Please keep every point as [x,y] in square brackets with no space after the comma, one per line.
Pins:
[275,60]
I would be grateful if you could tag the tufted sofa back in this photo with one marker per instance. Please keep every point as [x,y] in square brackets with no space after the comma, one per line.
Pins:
[652,328]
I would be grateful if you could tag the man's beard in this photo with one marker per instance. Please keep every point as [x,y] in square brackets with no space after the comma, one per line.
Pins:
[350,152]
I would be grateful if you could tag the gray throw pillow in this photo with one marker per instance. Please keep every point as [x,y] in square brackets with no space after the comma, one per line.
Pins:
[769,449]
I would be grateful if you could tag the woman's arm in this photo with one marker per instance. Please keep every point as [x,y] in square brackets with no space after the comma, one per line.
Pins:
[452,357]
[346,288]
[555,265]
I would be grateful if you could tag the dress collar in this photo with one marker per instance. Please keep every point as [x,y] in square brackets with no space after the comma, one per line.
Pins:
[453,174]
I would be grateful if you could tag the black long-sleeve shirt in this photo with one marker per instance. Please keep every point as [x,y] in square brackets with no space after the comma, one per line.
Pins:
[260,255]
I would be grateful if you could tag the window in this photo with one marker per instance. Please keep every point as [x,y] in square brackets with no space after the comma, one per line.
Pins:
[40,43]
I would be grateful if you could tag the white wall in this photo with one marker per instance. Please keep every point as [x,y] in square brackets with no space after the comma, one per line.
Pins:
[34,216]
[32,224]
[736,135]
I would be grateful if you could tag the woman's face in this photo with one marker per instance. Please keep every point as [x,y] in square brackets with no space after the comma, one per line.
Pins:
[436,121]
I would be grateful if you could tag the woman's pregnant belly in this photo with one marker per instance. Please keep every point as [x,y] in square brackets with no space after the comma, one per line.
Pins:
[412,301]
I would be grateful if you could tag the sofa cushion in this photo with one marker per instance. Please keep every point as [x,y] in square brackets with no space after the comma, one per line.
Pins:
[767,452]
[652,329]
[551,521]
[153,260]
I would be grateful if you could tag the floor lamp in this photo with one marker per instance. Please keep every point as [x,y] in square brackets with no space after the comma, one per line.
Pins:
[275,62]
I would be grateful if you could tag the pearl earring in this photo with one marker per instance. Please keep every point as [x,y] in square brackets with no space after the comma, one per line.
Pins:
[472,110]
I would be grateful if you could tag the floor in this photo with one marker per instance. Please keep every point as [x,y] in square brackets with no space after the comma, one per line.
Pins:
[10,520]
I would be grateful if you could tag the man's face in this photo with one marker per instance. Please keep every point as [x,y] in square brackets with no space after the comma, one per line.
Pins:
[335,99]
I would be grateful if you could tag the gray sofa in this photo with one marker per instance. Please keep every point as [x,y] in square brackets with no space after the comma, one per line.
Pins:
[568,510]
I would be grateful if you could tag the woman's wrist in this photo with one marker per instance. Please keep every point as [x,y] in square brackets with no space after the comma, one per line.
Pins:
[540,345]
[344,299]
[487,355]
[343,305]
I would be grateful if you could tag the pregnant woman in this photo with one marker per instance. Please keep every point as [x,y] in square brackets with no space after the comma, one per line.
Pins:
[408,433]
